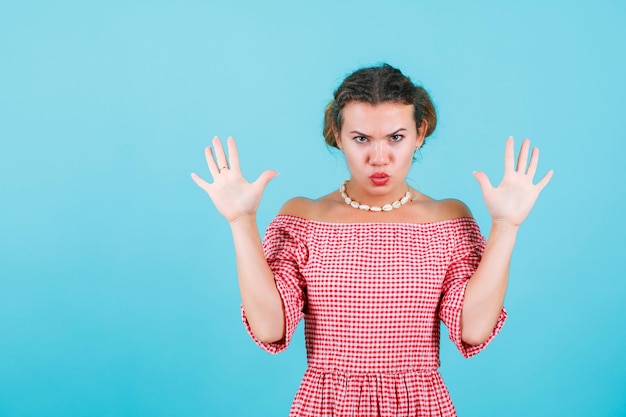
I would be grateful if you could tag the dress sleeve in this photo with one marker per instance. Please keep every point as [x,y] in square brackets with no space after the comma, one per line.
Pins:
[467,251]
[285,250]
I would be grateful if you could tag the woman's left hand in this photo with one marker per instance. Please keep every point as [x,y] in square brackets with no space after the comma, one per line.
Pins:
[511,201]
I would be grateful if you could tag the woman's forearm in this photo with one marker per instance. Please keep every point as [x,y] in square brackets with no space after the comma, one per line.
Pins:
[260,298]
[485,291]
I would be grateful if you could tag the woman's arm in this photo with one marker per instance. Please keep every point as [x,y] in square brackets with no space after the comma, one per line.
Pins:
[484,294]
[259,295]
[238,200]
[509,204]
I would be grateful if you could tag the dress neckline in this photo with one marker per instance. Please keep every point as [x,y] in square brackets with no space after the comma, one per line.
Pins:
[420,224]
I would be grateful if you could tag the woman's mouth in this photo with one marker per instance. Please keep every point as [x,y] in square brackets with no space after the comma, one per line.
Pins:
[379,178]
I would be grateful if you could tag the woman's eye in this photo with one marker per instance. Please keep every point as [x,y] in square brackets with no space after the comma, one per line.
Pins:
[360,139]
[396,138]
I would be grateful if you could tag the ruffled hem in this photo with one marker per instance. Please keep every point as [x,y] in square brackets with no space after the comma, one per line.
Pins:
[413,393]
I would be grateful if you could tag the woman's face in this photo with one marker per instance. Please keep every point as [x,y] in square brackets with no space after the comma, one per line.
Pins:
[378,142]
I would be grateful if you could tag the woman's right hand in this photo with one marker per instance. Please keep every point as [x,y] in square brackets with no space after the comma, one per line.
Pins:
[233,196]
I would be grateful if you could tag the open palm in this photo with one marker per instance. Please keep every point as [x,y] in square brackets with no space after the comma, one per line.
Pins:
[511,201]
[233,196]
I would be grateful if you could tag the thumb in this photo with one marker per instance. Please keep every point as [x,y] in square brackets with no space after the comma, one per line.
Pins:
[265,178]
[483,180]
[200,182]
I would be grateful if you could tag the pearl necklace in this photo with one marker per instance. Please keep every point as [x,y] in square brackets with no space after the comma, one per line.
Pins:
[387,207]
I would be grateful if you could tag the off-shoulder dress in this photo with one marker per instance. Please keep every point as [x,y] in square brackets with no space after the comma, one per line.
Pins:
[372,296]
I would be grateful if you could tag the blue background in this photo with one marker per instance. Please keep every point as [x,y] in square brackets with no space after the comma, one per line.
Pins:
[118,293]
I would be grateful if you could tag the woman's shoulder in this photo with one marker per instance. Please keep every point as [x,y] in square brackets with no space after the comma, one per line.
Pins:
[430,210]
[450,209]
[422,209]
[309,208]
[298,207]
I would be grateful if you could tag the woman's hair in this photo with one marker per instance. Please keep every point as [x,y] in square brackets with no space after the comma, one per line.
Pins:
[376,85]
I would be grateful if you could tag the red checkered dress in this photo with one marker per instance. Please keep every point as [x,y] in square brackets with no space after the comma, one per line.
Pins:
[372,295]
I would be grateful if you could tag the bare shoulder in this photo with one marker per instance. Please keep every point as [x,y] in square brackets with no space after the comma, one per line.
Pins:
[451,208]
[427,209]
[298,206]
[322,208]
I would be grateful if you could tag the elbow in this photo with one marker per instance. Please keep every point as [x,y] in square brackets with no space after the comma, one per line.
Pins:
[478,327]
[267,326]
[269,338]
[269,334]
[476,337]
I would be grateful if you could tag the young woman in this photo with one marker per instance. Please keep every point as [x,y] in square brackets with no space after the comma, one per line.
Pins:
[374,266]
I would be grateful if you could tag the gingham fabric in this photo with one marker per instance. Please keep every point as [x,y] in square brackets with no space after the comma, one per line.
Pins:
[372,295]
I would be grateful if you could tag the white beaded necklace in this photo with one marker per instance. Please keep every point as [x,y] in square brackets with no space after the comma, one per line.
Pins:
[387,207]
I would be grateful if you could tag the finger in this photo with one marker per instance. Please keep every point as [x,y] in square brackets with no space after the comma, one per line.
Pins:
[483,180]
[545,180]
[265,178]
[210,160]
[534,160]
[509,153]
[220,155]
[233,155]
[201,183]
[522,159]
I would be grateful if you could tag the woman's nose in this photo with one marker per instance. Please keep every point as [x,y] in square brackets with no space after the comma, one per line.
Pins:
[379,153]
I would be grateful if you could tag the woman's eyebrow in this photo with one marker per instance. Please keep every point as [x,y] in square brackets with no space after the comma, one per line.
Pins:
[396,132]
[356,132]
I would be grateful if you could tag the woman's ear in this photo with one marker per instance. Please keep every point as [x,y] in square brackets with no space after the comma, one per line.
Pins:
[421,133]
[337,137]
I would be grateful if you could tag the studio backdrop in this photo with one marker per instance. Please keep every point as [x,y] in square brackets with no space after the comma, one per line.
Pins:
[118,287]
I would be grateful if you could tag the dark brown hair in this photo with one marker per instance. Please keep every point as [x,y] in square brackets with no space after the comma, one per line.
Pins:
[376,85]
